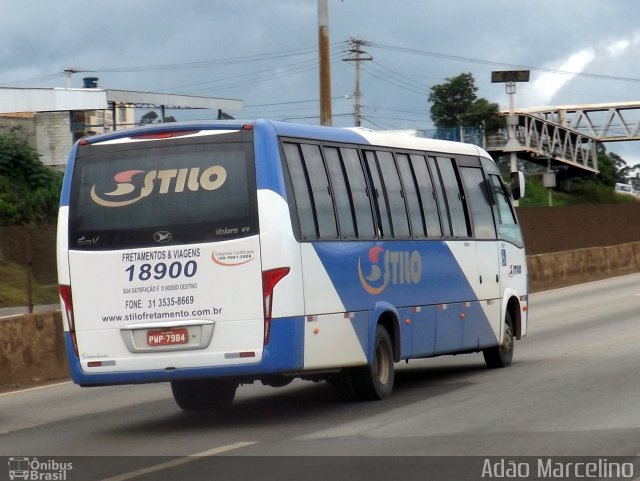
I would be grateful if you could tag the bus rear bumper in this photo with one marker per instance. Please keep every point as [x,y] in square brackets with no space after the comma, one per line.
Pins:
[283,353]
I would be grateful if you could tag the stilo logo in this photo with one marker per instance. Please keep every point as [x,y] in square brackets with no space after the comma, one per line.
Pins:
[130,186]
[162,236]
[390,267]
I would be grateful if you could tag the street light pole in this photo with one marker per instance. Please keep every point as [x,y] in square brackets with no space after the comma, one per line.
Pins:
[509,78]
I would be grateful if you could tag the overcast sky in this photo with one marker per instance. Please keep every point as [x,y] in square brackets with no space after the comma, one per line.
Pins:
[265,52]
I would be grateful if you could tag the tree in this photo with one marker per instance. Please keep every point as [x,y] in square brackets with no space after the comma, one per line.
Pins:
[455,104]
[623,171]
[150,117]
[29,190]
[607,166]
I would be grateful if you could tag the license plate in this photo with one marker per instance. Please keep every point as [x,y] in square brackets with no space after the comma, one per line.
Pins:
[167,337]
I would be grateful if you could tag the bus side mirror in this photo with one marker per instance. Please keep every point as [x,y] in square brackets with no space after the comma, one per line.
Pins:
[517,185]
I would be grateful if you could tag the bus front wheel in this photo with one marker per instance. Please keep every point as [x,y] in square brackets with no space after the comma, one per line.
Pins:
[203,394]
[502,355]
[375,381]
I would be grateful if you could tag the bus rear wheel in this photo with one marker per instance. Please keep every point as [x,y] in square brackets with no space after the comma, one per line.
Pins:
[203,394]
[375,381]
[502,355]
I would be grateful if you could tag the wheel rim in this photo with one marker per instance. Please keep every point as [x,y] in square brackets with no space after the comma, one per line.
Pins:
[507,345]
[382,358]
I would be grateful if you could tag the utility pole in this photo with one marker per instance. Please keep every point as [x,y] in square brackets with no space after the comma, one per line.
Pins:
[68,71]
[325,71]
[356,50]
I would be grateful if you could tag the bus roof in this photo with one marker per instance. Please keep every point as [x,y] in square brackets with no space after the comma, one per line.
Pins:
[380,138]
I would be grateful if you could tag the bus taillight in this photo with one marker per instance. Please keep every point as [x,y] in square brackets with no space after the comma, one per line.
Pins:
[65,295]
[170,134]
[269,280]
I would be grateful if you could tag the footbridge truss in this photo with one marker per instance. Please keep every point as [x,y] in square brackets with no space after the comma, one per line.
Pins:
[607,122]
[538,139]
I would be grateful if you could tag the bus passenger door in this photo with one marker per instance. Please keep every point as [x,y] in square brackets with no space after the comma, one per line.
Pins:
[487,282]
[488,290]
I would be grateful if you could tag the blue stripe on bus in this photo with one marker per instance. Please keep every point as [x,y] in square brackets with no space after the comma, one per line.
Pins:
[394,277]
[283,353]
[399,272]
[268,166]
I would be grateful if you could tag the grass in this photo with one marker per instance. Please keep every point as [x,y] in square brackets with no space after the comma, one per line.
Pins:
[586,192]
[13,287]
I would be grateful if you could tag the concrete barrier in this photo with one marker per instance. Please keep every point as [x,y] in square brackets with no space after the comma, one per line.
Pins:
[32,345]
[560,269]
[32,349]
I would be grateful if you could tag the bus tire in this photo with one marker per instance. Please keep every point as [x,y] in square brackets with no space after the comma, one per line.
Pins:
[203,394]
[375,381]
[501,355]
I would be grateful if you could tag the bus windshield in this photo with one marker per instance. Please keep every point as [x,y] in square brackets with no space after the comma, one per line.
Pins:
[189,190]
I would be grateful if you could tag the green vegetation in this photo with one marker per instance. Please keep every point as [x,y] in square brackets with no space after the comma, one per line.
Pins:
[582,192]
[455,104]
[29,190]
[29,195]
[13,287]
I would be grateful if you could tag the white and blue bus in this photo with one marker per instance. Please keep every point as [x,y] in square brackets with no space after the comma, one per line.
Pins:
[212,255]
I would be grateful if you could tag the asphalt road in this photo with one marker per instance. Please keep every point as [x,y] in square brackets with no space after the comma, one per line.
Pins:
[573,390]
[16,311]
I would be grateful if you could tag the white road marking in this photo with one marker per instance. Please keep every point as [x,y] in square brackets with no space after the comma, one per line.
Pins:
[179,461]
[37,388]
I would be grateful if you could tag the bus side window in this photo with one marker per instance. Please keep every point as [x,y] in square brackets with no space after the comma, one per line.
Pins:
[301,191]
[460,226]
[342,196]
[479,202]
[428,195]
[379,196]
[505,219]
[359,194]
[394,194]
[321,192]
[412,196]
[444,210]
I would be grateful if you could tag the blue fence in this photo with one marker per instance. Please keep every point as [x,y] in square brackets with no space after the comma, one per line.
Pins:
[469,135]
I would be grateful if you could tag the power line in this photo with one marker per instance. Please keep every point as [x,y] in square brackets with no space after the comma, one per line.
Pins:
[495,62]
[384,78]
[31,80]
[250,78]
[401,78]
[291,102]
[215,62]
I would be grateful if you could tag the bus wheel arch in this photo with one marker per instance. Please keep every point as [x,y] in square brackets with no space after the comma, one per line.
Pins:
[501,356]
[389,321]
[514,312]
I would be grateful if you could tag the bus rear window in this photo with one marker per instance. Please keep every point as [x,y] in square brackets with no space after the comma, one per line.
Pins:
[168,192]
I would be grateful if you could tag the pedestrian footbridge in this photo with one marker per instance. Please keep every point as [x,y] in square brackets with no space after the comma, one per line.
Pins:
[547,143]
[567,135]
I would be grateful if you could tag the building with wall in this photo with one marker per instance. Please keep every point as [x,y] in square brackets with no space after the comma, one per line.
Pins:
[51,119]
